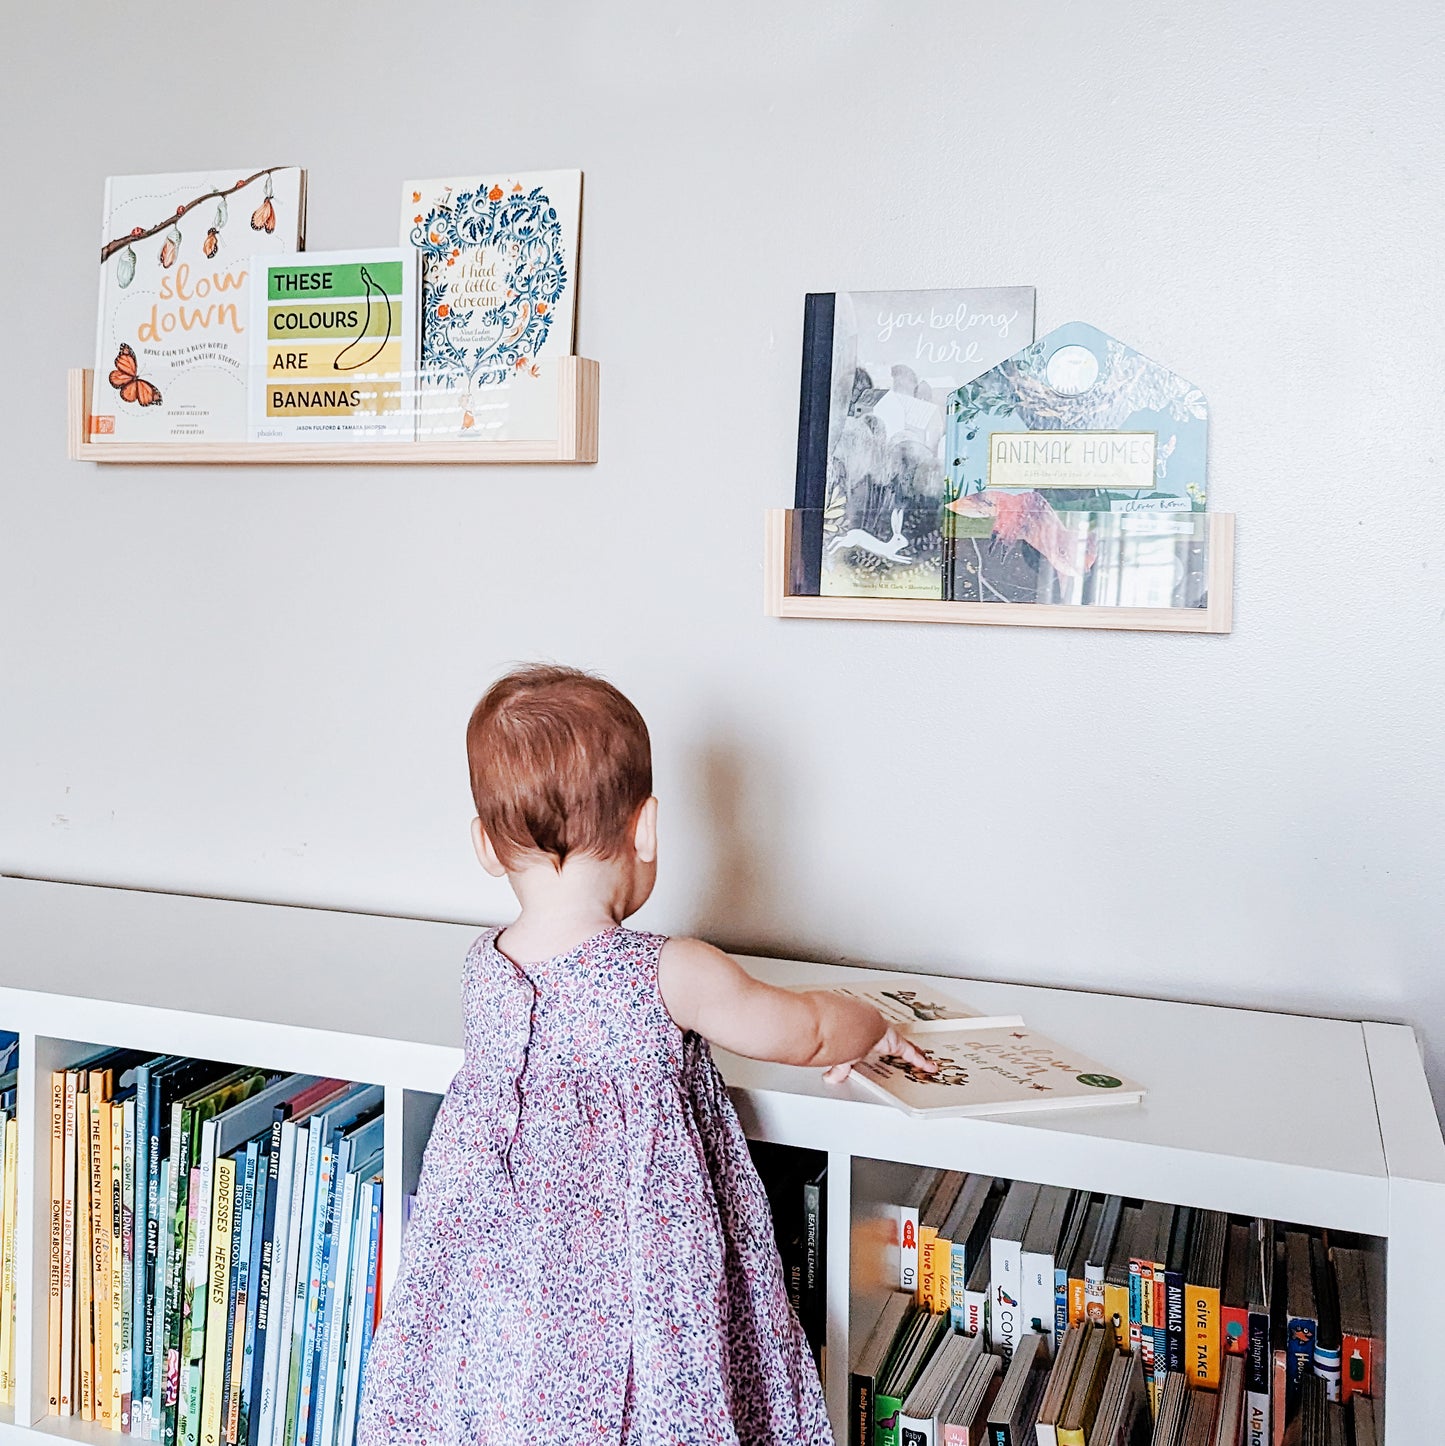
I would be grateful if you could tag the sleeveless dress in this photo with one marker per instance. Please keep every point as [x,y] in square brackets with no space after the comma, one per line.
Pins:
[590,1257]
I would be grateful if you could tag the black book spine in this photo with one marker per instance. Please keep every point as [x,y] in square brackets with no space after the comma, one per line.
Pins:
[811,486]
[265,1269]
[860,1412]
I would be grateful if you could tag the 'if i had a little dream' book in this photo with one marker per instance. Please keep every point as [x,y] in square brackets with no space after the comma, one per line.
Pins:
[335,353]
[498,259]
[173,349]
[993,1072]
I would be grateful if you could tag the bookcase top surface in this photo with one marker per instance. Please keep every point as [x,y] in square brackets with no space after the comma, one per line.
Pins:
[1228,1089]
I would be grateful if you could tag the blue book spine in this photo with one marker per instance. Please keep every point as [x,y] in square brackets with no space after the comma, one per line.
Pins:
[957,1283]
[320,1362]
[312,1247]
[139,1339]
[1299,1357]
[1061,1301]
[267,1272]
[246,1163]
[373,1248]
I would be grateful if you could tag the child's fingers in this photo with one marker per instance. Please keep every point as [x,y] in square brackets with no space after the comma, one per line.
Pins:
[836,1074]
[917,1058]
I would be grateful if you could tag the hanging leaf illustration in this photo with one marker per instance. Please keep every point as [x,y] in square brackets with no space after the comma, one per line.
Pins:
[211,244]
[222,214]
[170,246]
[125,267]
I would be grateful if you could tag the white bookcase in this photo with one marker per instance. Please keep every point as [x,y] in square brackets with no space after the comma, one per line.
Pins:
[1326,1122]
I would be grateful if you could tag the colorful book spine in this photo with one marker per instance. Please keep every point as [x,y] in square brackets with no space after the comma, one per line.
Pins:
[193,1340]
[1299,1357]
[958,1264]
[315,1289]
[84,1273]
[1203,1335]
[127,1237]
[115,1294]
[1077,1305]
[55,1278]
[218,1281]
[1257,1381]
[908,1248]
[270,1286]
[239,1291]
[308,1161]
[1174,1294]
[140,1207]
[886,1411]
[177,1223]
[7,1267]
[358,1333]
[234,1302]
[1357,1354]
[927,1266]
[248,1394]
[100,1246]
[277,1390]
[1234,1329]
[338,1296]
[156,1402]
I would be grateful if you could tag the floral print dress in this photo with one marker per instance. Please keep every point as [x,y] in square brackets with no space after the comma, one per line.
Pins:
[590,1257]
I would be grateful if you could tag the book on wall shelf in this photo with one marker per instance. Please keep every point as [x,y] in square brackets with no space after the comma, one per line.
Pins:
[878,369]
[1087,1378]
[498,263]
[334,358]
[173,331]
[214,1250]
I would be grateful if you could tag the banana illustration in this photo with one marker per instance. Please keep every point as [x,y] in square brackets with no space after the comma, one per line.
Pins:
[341,364]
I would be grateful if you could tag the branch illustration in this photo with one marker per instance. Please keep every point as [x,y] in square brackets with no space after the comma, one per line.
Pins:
[111,247]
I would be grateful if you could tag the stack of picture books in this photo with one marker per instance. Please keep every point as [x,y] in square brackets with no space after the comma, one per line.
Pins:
[1251,1327]
[978,1064]
[215,1241]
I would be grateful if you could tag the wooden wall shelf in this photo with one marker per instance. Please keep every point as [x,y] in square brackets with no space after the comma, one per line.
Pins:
[575,438]
[1217,617]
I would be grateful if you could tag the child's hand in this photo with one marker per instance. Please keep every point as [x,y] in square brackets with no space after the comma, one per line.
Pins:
[898,1045]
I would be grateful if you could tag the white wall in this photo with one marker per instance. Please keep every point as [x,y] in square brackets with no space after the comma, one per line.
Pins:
[254,682]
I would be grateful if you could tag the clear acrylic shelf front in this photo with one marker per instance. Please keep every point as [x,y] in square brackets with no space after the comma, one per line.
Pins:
[1152,571]
[547,417]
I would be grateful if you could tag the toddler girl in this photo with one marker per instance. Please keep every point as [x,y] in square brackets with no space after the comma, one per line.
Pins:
[590,1258]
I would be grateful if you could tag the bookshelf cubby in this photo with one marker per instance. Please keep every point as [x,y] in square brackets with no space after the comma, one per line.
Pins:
[1326,1122]
[571,437]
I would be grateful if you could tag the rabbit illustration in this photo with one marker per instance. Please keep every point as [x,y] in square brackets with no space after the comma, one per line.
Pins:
[890,551]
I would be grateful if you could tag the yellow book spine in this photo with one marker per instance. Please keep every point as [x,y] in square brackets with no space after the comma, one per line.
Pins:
[927,1265]
[117,1259]
[218,1288]
[1116,1310]
[100,1248]
[7,1265]
[56,1225]
[942,1275]
[84,1274]
[1202,1341]
[1070,1437]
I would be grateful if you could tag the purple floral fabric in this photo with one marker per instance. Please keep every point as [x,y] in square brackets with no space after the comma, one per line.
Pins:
[590,1257]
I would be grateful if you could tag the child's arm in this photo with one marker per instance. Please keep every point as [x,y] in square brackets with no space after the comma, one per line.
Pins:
[707,992]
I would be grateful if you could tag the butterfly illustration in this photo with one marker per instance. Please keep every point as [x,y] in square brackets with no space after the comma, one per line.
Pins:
[126,379]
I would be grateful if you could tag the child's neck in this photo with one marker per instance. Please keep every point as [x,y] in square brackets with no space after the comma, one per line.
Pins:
[562,907]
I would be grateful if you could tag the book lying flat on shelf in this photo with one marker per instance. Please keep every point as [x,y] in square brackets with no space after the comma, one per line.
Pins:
[334,358]
[993,1072]
[914,1010]
[173,345]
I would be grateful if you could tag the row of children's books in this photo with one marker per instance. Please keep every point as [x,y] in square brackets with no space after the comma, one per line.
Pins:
[796,1182]
[215,1249]
[1213,1299]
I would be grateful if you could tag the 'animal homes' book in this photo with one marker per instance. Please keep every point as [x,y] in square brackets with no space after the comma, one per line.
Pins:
[498,257]
[993,1072]
[173,332]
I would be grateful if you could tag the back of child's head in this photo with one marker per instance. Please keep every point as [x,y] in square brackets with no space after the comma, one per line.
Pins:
[560,763]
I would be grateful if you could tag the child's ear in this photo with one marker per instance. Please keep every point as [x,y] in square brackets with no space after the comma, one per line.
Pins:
[644,834]
[486,854]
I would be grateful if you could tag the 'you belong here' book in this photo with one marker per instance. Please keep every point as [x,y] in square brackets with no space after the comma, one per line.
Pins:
[878,369]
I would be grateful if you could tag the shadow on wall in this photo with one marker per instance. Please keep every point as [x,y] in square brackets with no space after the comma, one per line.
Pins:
[742,801]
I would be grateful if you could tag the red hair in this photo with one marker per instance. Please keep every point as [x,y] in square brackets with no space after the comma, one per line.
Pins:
[560,762]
